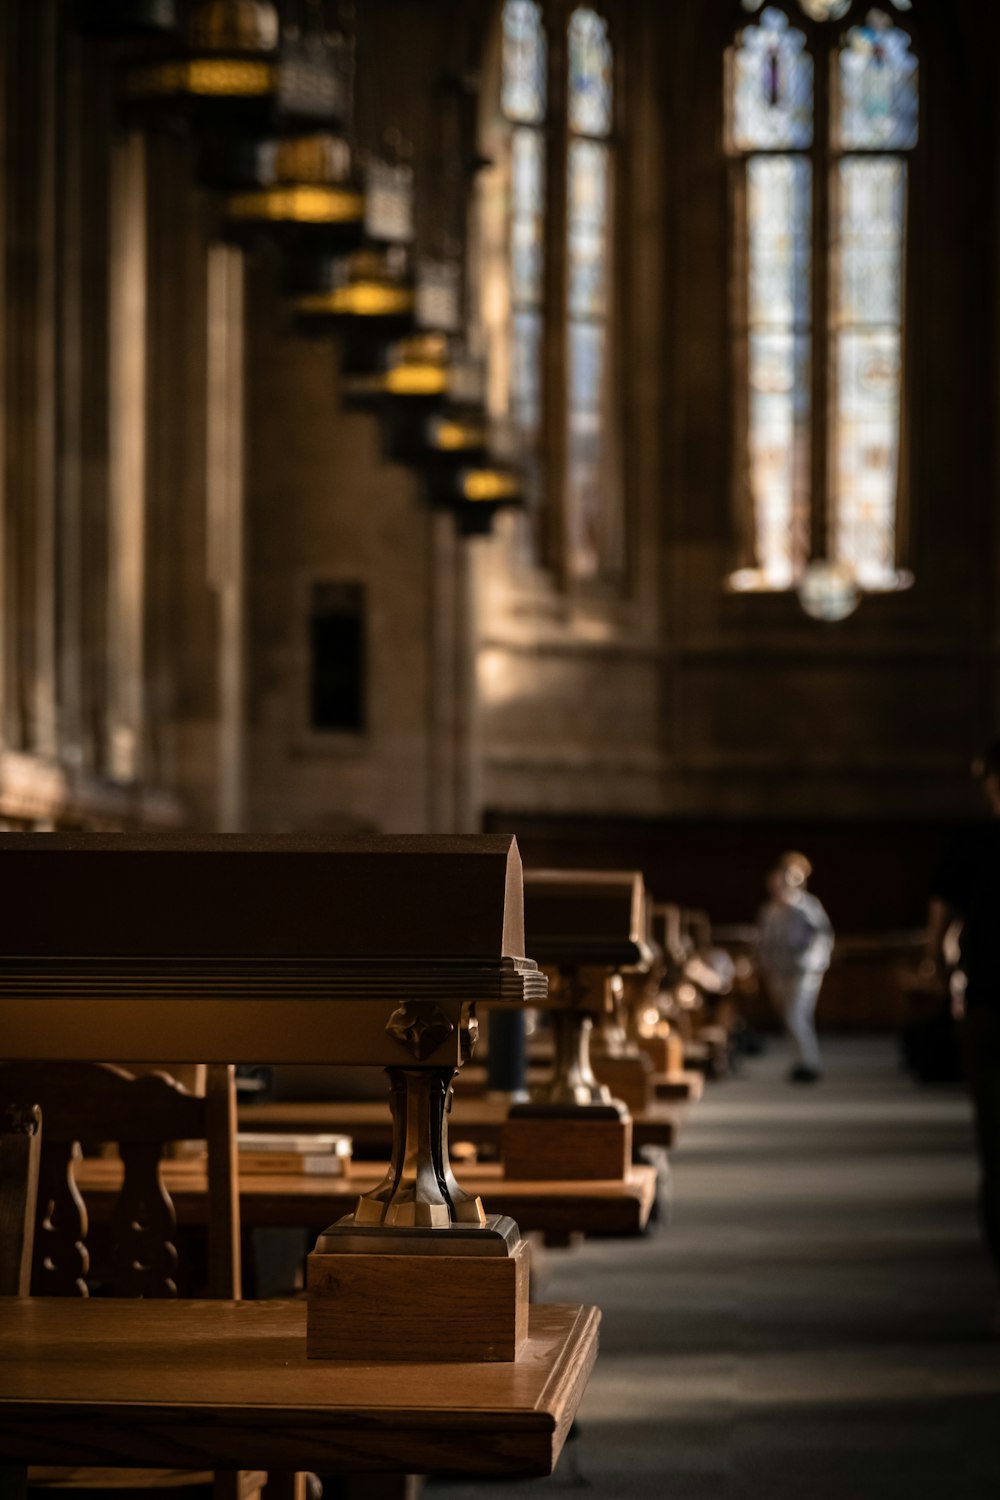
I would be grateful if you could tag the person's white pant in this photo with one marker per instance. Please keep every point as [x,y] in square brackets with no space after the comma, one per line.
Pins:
[795,997]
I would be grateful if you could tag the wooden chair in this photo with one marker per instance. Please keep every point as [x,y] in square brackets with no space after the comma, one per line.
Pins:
[142,1116]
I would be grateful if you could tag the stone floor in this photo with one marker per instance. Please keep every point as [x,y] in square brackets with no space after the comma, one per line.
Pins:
[813,1321]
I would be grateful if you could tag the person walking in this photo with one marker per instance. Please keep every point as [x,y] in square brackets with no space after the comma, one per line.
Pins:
[794,946]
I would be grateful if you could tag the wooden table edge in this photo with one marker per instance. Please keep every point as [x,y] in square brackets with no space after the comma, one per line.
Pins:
[519,1440]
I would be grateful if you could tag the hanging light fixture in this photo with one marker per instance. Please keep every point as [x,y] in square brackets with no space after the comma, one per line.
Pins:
[230,58]
[238,75]
[436,438]
[367,291]
[311,194]
[475,494]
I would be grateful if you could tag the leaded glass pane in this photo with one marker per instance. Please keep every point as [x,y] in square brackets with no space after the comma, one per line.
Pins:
[590,88]
[867,314]
[878,87]
[592,510]
[523,81]
[771,105]
[525,387]
[527,208]
[588,192]
[779,190]
[588,508]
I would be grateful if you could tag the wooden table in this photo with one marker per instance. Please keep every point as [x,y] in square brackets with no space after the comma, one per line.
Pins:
[224,1385]
[291,1200]
[480,1121]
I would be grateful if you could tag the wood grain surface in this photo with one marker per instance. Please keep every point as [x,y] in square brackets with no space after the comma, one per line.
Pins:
[227,1384]
[412,1307]
[583,1149]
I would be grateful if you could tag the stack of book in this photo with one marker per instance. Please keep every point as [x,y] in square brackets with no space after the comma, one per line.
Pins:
[311,1155]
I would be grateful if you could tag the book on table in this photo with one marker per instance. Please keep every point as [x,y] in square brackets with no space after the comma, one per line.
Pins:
[310,1155]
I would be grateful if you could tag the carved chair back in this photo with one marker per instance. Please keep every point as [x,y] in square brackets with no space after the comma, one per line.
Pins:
[95,1102]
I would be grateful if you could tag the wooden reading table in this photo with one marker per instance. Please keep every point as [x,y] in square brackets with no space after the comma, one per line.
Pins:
[288,1200]
[224,1385]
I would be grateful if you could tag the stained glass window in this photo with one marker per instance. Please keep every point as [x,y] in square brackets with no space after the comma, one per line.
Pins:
[548,206]
[878,88]
[522,92]
[823,289]
[771,96]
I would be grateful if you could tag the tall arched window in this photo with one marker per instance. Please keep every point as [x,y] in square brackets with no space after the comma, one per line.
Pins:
[820,121]
[549,330]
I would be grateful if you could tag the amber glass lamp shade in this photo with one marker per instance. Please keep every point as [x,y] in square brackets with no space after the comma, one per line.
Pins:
[417,368]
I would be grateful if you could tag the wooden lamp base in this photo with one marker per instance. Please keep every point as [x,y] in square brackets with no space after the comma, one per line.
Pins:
[418,1295]
[586,1143]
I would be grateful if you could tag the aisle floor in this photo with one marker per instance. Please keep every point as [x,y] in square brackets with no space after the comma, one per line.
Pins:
[814,1321]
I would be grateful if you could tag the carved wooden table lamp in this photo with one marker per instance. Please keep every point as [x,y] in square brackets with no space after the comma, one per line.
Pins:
[368,951]
[587,927]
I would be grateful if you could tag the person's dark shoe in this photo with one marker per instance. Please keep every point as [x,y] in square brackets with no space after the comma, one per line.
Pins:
[802,1074]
